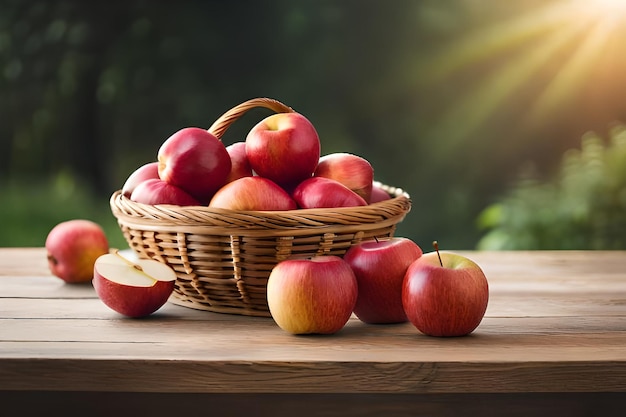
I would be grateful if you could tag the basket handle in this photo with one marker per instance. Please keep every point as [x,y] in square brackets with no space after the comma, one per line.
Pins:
[223,123]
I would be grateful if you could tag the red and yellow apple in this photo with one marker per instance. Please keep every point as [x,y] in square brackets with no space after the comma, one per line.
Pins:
[351,170]
[445,294]
[72,248]
[284,148]
[155,191]
[320,192]
[196,161]
[379,267]
[312,296]
[132,287]
[252,194]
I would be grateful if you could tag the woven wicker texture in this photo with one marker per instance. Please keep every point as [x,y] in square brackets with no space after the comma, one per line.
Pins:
[223,258]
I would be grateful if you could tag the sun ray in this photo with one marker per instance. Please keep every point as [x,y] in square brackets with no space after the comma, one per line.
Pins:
[574,71]
[473,109]
[560,45]
[498,38]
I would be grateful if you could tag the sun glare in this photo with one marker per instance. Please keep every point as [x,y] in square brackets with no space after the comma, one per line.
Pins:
[568,45]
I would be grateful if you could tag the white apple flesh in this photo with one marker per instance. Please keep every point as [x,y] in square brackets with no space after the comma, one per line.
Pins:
[133,288]
[448,300]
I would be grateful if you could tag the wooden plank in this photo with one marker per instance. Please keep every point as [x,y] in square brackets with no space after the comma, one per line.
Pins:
[23,262]
[53,299]
[167,404]
[304,377]
[556,321]
[501,339]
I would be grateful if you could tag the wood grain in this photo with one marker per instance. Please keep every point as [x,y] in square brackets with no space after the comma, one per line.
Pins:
[556,322]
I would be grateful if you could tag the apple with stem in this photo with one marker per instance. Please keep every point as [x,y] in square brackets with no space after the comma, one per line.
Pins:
[194,160]
[252,194]
[284,148]
[351,170]
[72,248]
[133,288]
[379,267]
[445,294]
[312,296]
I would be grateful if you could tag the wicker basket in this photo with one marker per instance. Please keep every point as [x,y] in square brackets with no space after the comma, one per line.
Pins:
[223,258]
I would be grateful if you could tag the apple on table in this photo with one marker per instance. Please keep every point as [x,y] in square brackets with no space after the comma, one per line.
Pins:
[72,248]
[445,294]
[132,287]
[379,267]
[312,296]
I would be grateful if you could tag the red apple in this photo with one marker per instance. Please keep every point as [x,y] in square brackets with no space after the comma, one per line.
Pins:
[351,170]
[252,193]
[156,191]
[445,294]
[320,192]
[144,172]
[379,267]
[283,147]
[132,287]
[196,161]
[72,248]
[240,167]
[378,194]
[314,295]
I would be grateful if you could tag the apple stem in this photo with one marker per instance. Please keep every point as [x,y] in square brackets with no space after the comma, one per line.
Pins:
[436,246]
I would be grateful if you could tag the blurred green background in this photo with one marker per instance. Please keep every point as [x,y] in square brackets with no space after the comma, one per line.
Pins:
[502,119]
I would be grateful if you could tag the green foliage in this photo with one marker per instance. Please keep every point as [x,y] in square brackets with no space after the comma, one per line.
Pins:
[30,209]
[583,207]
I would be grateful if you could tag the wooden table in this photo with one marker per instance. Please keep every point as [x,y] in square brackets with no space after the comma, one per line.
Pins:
[553,342]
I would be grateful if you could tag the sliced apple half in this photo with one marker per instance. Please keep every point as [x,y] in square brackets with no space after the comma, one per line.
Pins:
[130,286]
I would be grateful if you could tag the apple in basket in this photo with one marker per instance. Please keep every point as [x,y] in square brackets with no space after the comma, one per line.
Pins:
[445,294]
[155,191]
[379,267]
[240,167]
[144,172]
[132,287]
[378,193]
[284,148]
[312,296]
[351,170]
[252,193]
[196,161]
[72,248]
[320,192]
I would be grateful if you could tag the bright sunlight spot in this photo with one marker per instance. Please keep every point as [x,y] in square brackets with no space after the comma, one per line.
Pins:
[553,52]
